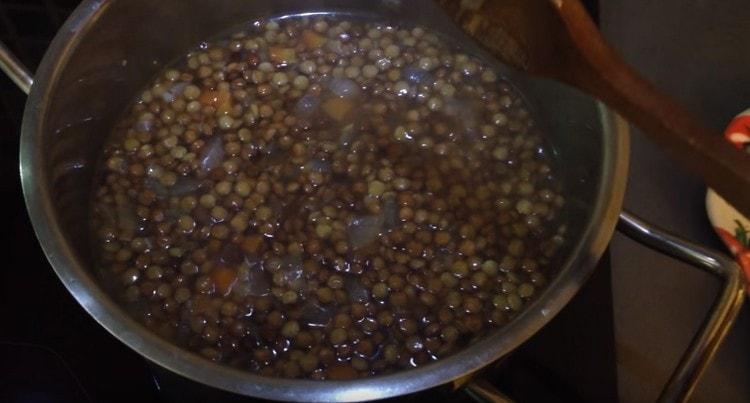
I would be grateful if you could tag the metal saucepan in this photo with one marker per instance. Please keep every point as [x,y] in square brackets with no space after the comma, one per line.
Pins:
[108,49]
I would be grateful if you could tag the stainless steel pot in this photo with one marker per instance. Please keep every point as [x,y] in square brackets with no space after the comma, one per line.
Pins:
[108,49]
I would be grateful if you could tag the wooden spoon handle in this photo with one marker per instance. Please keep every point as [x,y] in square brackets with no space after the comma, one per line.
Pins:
[558,39]
[596,68]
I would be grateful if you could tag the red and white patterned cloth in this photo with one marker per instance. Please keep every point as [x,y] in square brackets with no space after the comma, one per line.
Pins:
[738,132]
[731,226]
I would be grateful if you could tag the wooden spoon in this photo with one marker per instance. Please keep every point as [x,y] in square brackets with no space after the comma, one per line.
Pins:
[557,39]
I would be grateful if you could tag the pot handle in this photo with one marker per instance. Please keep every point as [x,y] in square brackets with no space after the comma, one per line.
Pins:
[15,70]
[705,343]
[715,327]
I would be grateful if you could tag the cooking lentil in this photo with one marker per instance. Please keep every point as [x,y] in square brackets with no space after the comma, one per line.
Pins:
[327,198]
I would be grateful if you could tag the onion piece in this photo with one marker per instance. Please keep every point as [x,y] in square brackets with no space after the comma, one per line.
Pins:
[338,47]
[318,165]
[416,75]
[212,154]
[390,213]
[173,92]
[308,104]
[291,272]
[347,136]
[354,288]
[343,87]
[257,284]
[159,190]
[364,230]
[145,125]
[184,186]
[461,109]
[252,279]
[314,315]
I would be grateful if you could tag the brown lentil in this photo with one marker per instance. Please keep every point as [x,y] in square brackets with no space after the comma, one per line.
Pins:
[327,198]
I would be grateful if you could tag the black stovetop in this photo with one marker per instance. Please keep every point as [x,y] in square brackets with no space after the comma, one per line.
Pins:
[52,351]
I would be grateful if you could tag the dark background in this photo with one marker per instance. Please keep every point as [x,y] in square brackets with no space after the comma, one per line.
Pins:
[50,349]
[45,337]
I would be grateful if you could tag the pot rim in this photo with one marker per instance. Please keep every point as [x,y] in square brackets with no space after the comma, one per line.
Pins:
[103,309]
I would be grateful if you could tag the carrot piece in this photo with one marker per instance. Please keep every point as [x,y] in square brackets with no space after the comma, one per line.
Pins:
[214,98]
[281,55]
[221,100]
[252,244]
[312,40]
[224,279]
[337,108]
[341,372]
